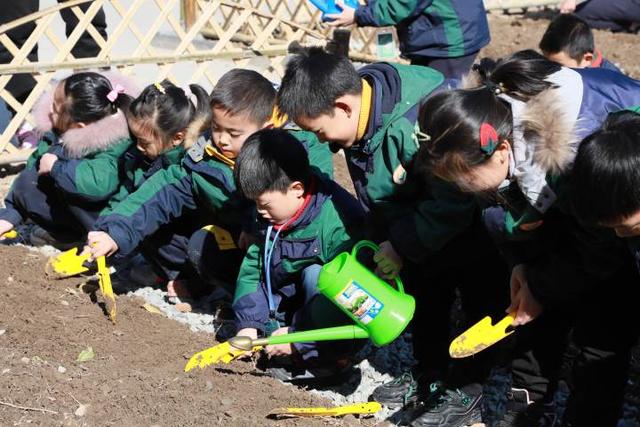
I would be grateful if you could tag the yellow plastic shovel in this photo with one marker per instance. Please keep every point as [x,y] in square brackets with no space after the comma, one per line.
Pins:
[11,234]
[221,353]
[104,281]
[480,336]
[66,264]
[364,408]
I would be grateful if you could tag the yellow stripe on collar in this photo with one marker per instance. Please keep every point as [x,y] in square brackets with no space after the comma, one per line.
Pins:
[213,152]
[365,109]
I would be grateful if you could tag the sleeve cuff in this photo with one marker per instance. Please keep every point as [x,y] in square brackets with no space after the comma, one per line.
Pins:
[404,238]
[242,324]
[11,215]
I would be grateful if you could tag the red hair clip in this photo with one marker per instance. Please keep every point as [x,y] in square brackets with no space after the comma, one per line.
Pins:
[488,139]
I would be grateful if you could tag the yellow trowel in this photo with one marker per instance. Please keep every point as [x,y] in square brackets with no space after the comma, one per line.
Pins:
[11,234]
[66,264]
[480,336]
[364,408]
[221,353]
[104,280]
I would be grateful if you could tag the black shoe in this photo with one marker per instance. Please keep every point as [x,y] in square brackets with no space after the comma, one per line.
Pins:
[398,392]
[450,408]
[518,402]
[286,370]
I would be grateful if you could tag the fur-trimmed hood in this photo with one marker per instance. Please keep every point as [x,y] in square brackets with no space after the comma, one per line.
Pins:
[97,136]
[544,134]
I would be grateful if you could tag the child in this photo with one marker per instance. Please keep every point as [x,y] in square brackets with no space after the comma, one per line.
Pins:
[606,191]
[569,42]
[200,191]
[75,168]
[304,222]
[514,133]
[162,119]
[443,34]
[425,229]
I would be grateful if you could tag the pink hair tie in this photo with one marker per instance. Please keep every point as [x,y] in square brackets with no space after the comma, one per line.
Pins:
[113,95]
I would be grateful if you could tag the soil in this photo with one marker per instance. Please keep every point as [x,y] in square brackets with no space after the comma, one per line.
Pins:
[136,376]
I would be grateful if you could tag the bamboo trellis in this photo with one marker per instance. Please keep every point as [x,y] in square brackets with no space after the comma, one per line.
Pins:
[246,33]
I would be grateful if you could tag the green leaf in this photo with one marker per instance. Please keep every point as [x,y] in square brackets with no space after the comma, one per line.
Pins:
[86,355]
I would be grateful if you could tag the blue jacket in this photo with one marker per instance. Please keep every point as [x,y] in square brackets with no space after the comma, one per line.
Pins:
[331,223]
[430,28]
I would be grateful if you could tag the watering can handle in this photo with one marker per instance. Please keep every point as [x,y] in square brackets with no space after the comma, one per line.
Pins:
[369,244]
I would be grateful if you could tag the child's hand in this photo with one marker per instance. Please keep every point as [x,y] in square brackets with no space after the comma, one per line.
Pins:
[100,243]
[4,227]
[279,349]
[388,260]
[46,163]
[344,18]
[568,6]
[523,303]
[247,332]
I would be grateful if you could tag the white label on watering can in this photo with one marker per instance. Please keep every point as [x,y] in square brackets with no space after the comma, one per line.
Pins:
[361,304]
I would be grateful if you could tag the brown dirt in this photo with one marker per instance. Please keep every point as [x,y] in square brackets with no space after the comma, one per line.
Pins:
[136,377]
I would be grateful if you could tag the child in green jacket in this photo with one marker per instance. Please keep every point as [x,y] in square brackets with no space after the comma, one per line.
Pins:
[305,220]
[425,226]
[74,171]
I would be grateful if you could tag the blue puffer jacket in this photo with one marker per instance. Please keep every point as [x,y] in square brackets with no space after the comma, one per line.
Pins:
[430,28]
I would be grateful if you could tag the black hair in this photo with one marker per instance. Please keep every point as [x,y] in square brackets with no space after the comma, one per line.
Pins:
[270,160]
[165,108]
[86,98]
[247,92]
[312,82]
[605,177]
[452,119]
[569,34]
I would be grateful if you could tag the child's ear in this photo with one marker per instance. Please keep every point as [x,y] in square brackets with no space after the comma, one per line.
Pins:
[343,106]
[502,150]
[77,125]
[298,188]
[178,138]
[587,60]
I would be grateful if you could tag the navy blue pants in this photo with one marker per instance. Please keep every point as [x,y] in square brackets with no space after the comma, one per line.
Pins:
[614,15]
[306,310]
[452,68]
[167,250]
[37,198]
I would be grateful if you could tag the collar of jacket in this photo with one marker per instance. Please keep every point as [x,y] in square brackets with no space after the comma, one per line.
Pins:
[365,109]
[213,151]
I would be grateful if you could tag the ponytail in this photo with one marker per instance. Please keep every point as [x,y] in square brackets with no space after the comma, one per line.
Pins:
[522,75]
[168,109]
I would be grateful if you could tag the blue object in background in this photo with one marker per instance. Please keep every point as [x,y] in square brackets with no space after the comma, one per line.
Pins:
[329,7]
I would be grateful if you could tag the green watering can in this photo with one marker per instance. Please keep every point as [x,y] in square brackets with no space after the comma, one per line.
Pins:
[380,312]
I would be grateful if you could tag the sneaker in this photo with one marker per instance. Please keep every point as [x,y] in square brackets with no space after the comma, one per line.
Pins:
[450,408]
[286,370]
[518,402]
[41,237]
[398,392]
